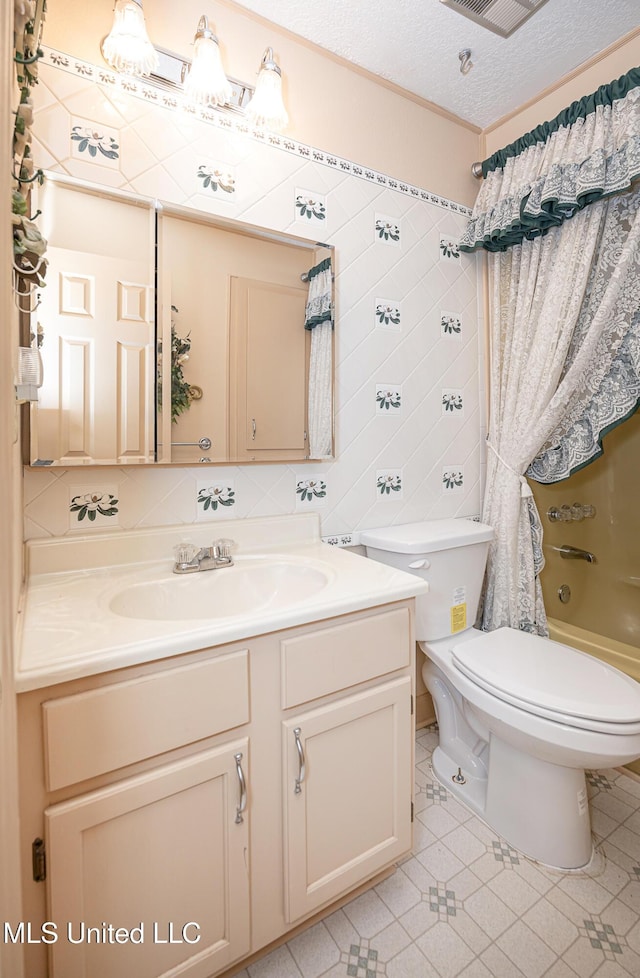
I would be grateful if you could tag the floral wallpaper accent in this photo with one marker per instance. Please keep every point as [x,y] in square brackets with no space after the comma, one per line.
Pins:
[211,496]
[387,230]
[451,402]
[100,143]
[450,324]
[388,314]
[452,478]
[389,398]
[214,179]
[310,490]
[449,249]
[310,206]
[389,483]
[91,505]
[345,540]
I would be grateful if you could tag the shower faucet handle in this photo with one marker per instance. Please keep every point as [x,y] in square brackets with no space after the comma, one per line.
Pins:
[566,513]
[561,514]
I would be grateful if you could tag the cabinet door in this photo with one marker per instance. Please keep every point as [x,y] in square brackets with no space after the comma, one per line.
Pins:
[347,793]
[161,855]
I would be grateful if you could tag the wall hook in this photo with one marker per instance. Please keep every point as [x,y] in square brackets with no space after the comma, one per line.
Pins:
[466,64]
[27,310]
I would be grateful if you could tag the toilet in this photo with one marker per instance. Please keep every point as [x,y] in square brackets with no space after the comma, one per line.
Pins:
[520,717]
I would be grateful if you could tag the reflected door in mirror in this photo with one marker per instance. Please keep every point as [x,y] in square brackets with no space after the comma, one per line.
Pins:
[97,318]
[269,358]
[238,298]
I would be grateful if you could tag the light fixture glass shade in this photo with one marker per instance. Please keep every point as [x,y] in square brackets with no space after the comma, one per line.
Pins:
[266,109]
[127,47]
[206,81]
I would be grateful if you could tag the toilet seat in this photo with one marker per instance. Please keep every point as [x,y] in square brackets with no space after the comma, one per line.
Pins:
[550,680]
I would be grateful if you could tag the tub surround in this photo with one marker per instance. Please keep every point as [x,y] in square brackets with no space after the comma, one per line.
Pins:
[69,630]
[622,656]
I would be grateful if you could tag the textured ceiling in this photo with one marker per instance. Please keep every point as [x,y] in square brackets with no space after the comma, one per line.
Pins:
[415,44]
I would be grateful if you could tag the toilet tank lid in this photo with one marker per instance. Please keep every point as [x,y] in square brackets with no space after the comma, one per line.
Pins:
[427,536]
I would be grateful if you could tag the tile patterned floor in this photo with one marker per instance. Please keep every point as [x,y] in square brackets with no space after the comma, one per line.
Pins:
[467,905]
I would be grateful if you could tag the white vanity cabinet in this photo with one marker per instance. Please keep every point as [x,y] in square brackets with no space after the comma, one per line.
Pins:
[227,794]
[161,856]
[348,761]
[347,794]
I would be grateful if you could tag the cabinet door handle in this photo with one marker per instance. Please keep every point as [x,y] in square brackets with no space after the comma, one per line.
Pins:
[301,761]
[242,804]
[253,429]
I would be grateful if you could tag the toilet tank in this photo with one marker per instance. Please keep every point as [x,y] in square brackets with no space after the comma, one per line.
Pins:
[450,555]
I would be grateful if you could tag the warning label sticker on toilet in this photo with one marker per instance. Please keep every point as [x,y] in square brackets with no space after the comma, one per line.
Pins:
[458,617]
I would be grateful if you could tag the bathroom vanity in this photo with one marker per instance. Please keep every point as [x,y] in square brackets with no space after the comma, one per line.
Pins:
[197,805]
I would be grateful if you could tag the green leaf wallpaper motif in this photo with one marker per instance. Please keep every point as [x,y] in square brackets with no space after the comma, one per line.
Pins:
[386,484]
[309,489]
[452,479]
[449,249]
[387,314]
[92,141]
[90,504]
[214,496]
[451,325]
[310,207]
[387,230]
[451,402]
[387,399]
[215,179]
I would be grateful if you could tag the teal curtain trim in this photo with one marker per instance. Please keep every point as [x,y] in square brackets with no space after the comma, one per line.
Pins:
[324,266]
[605,95]
[553,213]
[326,317]
[597,453]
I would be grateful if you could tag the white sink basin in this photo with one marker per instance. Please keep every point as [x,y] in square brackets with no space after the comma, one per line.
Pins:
[227,592]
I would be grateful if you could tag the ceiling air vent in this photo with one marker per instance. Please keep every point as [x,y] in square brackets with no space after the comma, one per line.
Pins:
[503,17]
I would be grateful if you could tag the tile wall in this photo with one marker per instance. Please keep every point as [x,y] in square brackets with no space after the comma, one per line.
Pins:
[409,365]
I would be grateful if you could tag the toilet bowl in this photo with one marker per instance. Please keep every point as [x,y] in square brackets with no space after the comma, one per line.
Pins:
[520,717]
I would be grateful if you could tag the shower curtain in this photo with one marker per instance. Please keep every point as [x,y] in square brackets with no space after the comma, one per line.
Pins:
[319,319]
[563,231]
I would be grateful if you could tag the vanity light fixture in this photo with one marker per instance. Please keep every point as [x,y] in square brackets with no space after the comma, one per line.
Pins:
[206,81]
[127,47]
[266,109]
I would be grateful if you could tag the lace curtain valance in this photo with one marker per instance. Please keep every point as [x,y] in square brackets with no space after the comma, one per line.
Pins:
[589,151]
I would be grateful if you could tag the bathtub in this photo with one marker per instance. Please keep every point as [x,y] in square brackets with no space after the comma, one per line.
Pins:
[619,654]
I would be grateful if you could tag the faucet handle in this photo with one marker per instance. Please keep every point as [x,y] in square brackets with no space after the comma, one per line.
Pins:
[223,547]
[185,553]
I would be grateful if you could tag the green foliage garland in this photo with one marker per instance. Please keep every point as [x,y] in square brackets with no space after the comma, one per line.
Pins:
[181,396]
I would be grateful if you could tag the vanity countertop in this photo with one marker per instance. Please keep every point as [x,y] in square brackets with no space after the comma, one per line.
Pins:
[69,628]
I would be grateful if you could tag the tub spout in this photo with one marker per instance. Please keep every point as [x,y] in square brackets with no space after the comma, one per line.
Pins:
[574,553]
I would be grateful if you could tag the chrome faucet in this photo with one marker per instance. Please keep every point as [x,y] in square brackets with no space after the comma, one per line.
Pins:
[574,553]
[189,558]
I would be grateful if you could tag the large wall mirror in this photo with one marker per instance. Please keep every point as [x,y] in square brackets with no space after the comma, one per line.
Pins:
[169,335]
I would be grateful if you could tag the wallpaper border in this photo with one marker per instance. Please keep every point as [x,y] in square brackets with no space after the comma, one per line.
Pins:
[154,95]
